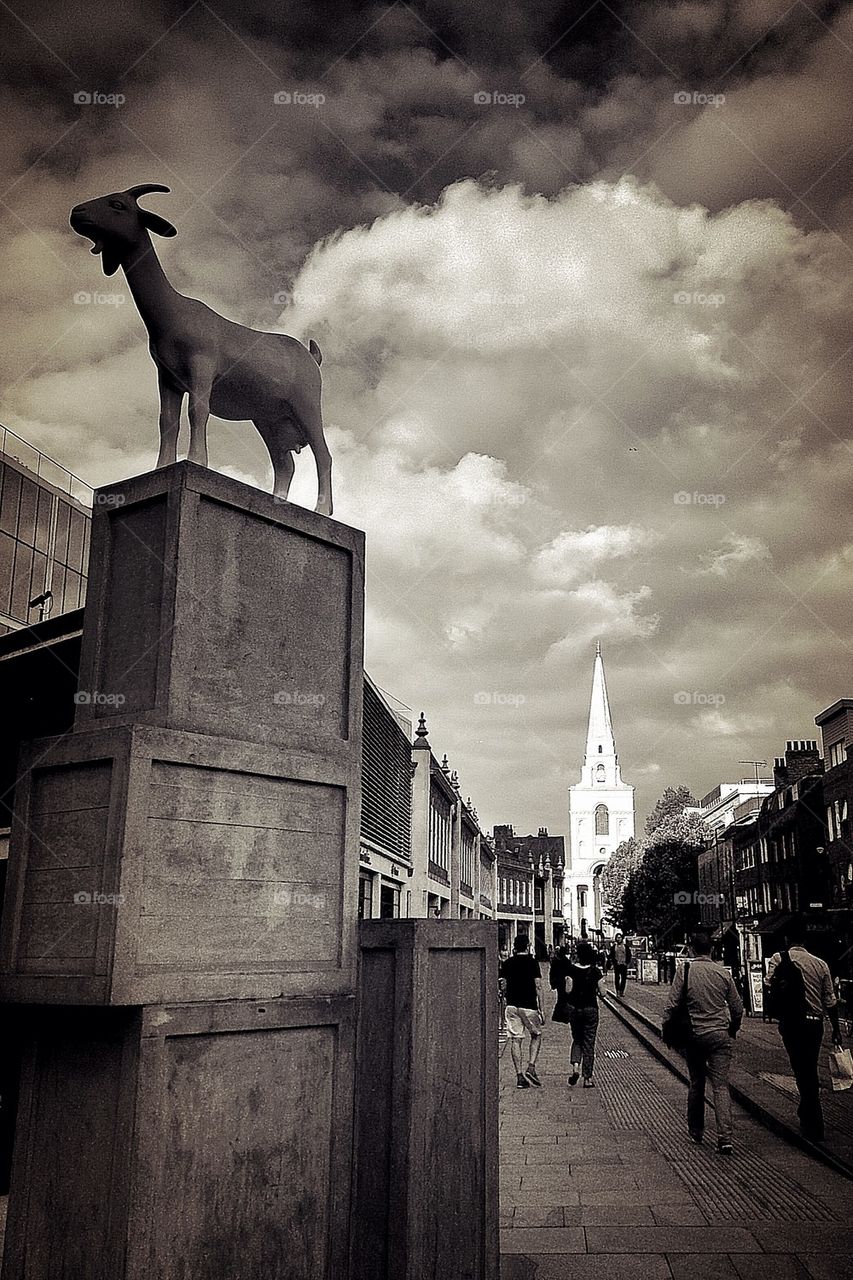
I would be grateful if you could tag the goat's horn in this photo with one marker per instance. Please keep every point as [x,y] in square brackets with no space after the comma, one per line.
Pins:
[144,188]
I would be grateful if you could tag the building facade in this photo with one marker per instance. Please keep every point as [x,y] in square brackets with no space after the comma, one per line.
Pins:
[453,860]
[44,535]
[530,880]
[601,813]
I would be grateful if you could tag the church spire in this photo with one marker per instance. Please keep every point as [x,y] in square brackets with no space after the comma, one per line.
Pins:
[599,735]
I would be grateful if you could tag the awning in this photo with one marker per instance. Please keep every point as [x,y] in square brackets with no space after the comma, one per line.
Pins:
[775,922]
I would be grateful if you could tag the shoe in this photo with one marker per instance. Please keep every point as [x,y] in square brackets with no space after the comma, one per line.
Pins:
[588,1082]
[574,1077]
[695,1137]
[533,1078]
[725,1148]
[521,1082]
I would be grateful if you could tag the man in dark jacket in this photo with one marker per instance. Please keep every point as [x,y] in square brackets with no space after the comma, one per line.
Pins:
[618,958]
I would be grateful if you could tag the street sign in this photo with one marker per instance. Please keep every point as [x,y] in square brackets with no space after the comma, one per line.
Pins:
[649,972]
[756,986]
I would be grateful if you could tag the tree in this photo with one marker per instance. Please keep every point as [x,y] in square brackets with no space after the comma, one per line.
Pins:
[665,883]
[673,802]
[616,876]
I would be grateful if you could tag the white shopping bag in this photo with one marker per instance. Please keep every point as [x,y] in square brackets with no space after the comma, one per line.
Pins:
[840,1069]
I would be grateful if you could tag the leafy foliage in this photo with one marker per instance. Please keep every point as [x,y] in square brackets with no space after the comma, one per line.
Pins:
[673,801]
[659,893]
[616,877]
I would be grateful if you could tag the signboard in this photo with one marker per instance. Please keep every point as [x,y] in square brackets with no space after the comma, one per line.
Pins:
[649,971]
[756,986]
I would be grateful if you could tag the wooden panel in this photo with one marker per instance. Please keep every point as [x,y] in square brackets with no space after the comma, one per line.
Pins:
[450,1144]
[249,1194]
[430,1091]
[375,1130]
[240,871]
[70,1163]
[65,865]
[129,648]
[287,600]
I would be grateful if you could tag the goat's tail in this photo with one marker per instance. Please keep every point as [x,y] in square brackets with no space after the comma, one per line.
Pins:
[315,351]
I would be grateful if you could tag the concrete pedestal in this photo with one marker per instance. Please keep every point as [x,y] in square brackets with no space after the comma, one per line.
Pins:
[186,861]
[426,1192]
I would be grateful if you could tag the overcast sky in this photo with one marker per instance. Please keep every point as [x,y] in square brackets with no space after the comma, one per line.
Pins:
[581,276]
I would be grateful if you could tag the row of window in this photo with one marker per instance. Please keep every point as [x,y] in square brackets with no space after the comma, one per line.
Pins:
[44,544]
[768,850]
[761,899]
[440,824]
[388,906]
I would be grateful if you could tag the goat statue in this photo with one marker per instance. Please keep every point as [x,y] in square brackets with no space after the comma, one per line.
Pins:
[222,367]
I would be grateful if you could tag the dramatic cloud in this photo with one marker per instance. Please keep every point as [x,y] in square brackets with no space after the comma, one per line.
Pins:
[581,277]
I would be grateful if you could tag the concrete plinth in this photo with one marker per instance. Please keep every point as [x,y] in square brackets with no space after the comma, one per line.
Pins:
[187,858]
[426,1190]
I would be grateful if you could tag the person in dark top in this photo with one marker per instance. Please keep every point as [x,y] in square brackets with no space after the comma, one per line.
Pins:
[581,982]
[522,981]
[619,958]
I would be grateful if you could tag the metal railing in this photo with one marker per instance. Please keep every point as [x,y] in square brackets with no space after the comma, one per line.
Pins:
[45,468]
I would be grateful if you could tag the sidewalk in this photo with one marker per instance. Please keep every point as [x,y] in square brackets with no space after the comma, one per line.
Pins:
[604,1182]
[761,1070]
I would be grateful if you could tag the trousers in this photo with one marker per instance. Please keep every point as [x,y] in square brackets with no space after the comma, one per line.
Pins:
[802,1041]
[709,1057]
[584,1025]
[620,973]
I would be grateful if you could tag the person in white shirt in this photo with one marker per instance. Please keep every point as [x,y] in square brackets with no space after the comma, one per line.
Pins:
[802,1031]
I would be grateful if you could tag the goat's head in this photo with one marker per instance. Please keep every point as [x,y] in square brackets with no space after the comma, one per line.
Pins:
[116,223]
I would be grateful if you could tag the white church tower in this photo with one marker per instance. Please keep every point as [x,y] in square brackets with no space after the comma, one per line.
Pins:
[601,812]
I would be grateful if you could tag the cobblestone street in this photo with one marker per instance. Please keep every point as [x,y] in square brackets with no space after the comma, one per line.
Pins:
[605,1182]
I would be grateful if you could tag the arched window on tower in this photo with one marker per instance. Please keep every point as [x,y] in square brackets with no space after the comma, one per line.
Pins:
[600,748]
[599,773]
[602,820]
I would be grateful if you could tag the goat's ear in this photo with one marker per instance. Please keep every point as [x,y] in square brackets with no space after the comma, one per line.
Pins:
[110,260]
[155,223]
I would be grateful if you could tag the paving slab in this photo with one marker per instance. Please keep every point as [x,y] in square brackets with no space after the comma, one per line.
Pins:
[670,1240]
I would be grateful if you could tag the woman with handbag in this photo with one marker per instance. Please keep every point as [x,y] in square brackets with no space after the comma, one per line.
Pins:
[578,986]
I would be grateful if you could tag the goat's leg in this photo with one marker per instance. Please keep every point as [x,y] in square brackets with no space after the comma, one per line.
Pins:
[199,412]
[312,424]
[170,422]
[274,435]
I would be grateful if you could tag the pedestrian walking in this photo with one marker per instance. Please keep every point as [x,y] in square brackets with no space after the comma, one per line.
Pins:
[581,982]
[799,992]
[715,1013]
[522,981]
[619,958]
[670,966]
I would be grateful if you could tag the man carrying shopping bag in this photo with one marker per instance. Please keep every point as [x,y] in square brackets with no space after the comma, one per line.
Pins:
[799,993]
